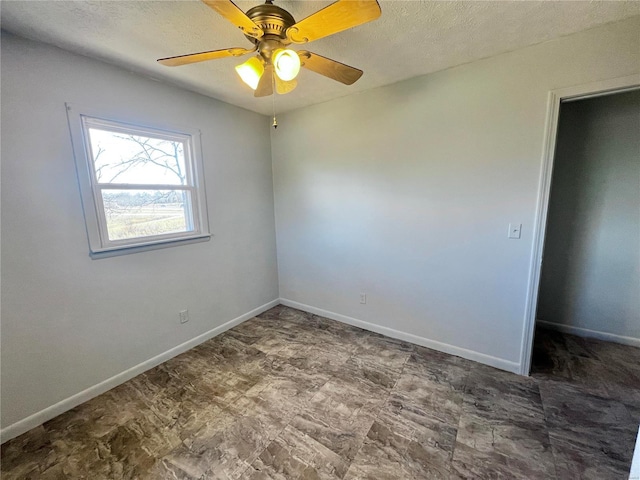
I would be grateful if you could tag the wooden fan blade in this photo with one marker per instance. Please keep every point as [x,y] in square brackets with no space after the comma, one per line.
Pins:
[335,18]
[231,12]
[265,86]
[329,68]
[203,56]
[283,86]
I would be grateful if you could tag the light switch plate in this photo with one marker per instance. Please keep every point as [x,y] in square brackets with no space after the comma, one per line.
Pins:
[515,230]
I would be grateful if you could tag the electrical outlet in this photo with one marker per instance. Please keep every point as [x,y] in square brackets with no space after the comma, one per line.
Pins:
[184,316]
[363,298]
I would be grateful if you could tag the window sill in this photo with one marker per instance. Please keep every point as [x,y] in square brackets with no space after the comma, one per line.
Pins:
[144,247]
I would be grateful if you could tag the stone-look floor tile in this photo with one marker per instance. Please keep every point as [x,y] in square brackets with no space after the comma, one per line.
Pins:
[291,395]
[606,352]
[385,351]
[256,328]
[349,340]
[206,464]
[382,456]
[430,427]
[226,386]
[131,450]
[608,443]
[296,369]
[375,375]
[582,347]
[294,455]
[28,454]
[340,414]
[274,406]
[503,417]
[99,416]
[427,356]
[418,423]
[528,442]
[228,349]
[449,375]
[550,341]
[165,470]
[387,454]
[419,410]
[191,413]
[469,463]
[594,375]
[94,459]
[273,343]
[341,403]
[280,312]
[318,359]
[622,383]
[573,461]
[546,364]
[126,451]
[345,441]
[601,368]
[434,394]
[57,472]
[616,353]
[634,411]
[425,460]
[495,395]
[567,407]
[225,454]
[321,462]
[289,384]
[355,473]
[245,336]
[589,429]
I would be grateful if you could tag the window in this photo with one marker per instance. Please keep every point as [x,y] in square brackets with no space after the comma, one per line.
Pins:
[141,187]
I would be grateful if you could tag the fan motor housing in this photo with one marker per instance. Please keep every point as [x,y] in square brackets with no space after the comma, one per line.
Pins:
[272,19]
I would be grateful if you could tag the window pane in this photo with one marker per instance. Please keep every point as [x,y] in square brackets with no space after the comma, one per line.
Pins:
[144,213]
[134,159]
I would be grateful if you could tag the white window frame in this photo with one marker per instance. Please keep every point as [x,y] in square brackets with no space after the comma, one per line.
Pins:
[80,120]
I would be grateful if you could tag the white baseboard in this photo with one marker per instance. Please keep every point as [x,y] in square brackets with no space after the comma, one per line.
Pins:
[585,332]
[52,411]
[409,337]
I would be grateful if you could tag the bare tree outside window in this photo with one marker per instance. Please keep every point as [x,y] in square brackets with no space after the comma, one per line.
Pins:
[135,152]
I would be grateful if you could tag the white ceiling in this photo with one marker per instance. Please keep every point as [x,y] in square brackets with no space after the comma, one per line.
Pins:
[411,38]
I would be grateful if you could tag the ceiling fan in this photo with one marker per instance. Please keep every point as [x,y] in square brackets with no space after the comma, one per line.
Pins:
[272,29]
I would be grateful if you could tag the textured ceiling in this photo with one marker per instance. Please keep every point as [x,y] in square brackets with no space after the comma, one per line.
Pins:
[411,38]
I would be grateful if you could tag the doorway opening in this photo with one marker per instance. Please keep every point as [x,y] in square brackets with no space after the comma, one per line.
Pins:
[586,284]
[588,308]
[564,97]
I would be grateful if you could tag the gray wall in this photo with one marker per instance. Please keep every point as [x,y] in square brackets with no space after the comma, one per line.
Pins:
[591,269]
[405,192]
[69,322]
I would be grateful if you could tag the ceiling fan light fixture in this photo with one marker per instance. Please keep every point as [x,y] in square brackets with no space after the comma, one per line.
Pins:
[286,64]
[251,71]
[271,29]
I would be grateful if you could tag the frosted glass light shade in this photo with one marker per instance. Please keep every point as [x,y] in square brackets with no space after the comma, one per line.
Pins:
[286,64]
[251,71]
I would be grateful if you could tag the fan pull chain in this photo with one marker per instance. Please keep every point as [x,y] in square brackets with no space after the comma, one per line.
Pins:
[273,100]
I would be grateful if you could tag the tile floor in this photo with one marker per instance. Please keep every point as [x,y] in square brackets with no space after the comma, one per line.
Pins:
[290,395]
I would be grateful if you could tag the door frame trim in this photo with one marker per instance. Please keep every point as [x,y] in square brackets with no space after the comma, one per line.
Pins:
[555,98]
